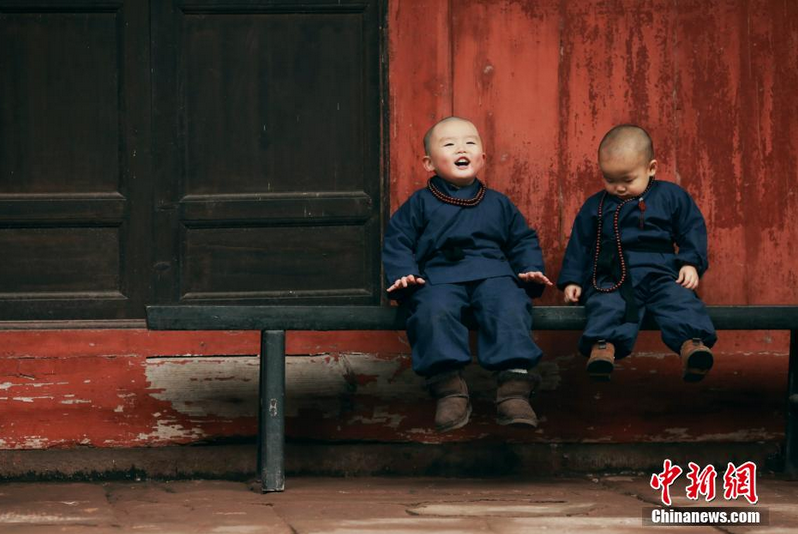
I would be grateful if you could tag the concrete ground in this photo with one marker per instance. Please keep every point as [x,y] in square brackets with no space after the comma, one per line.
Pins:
[364,505]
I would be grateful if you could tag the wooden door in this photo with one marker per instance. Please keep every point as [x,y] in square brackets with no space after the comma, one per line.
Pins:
[267,121]
[203,151]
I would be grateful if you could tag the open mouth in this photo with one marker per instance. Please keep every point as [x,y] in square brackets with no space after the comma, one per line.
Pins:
[462,163]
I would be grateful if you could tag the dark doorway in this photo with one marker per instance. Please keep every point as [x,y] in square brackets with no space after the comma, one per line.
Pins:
[204,151]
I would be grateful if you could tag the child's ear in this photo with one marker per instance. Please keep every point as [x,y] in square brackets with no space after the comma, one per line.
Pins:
[427,162]
[652,167]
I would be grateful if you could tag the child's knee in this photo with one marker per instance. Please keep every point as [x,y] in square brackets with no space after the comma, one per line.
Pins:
[436,310]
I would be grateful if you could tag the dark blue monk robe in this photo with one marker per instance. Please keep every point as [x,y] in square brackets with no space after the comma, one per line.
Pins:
[493,236]
[455,249]
[670,218]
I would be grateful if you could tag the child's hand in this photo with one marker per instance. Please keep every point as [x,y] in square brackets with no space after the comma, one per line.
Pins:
[535,276]
[688,277]
[406,281]
[572,293]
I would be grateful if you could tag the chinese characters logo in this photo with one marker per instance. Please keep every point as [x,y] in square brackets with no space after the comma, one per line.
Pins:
[738,481]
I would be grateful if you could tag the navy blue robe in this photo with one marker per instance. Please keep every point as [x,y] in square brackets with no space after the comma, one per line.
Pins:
[470,258]
[671,218]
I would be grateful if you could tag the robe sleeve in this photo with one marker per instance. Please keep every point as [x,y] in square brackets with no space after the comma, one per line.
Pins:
[577,261]
[401,240]
[523,250]
[690,234]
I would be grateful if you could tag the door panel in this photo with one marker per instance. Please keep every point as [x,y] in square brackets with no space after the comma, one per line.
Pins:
[269,122]
[274,262]
[86,260]
[75,191]
[61,129]
[272,102]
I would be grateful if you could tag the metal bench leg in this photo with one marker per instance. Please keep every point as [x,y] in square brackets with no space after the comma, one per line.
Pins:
[791,443]
[271,426]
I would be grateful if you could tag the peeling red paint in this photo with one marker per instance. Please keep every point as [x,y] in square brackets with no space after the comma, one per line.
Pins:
[86,343]
[363,380]
[108,383]
[367,342]
[586,411]
[713,80]
[107,401]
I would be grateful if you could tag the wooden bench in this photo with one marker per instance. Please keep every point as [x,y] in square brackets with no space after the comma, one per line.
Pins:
[274,321]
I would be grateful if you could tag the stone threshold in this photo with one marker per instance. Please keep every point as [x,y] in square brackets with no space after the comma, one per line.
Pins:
[238,461]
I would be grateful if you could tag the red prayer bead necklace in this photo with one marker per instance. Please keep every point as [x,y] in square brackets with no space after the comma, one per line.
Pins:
[462,202]
[642,206]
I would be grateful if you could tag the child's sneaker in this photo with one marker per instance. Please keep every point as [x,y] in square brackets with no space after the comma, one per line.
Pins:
[697,360]
[454,407]
[601,361]
[512,397]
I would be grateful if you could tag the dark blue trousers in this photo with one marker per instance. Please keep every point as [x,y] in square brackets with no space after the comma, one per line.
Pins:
[678,311]
[439,339]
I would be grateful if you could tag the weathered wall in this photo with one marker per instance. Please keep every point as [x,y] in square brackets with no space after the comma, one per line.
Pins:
[714,81]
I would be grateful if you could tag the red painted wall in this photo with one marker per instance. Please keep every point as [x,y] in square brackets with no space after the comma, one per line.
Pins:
[713,81]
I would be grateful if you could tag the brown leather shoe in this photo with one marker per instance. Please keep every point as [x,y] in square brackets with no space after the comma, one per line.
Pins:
[601,361]
[454,407]
[512,398]
[697,360]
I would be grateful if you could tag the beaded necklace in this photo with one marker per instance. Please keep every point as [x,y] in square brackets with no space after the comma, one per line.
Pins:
[462,202]
[642,206]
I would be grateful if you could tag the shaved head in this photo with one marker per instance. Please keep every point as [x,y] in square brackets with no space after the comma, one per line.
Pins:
[627,139]
[428,135]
